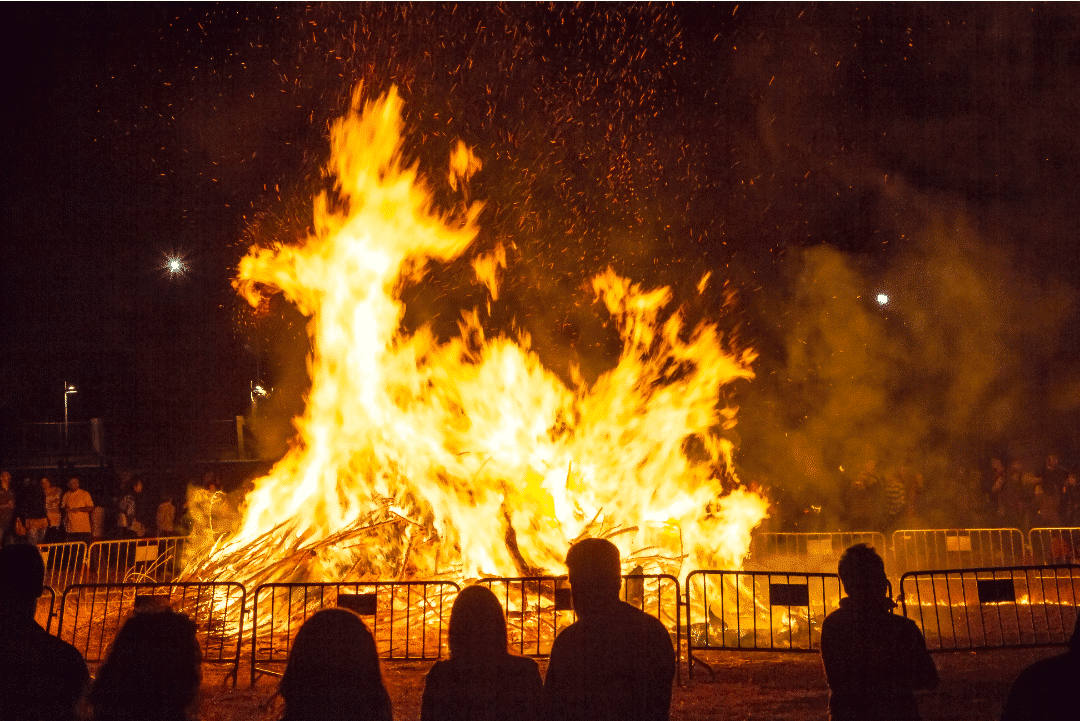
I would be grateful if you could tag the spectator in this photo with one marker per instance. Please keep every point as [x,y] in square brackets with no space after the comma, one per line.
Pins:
[41,677]
[1053,480]
[1008,490]
[152,671]
[34,518]
[1070,502]
[894,498]
[165,518]
[333,671]
[874,660]
[1046,689]
[864,499]
[615,662]
[77,506]
[132,517]
[7,508]
[481,681]
[53,534]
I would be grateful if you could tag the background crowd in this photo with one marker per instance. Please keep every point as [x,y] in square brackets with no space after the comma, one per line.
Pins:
[58,507]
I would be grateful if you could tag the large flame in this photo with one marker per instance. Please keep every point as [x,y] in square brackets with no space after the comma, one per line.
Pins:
[468,457]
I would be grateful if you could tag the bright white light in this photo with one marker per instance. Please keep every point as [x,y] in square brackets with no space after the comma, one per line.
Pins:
[175,265]
[882,299]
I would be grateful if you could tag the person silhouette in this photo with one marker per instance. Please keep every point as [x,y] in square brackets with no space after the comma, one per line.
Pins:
[333,671]
[615,663]
[41,677]
[152,671]
[481,681]
[874,660]
[1046,689]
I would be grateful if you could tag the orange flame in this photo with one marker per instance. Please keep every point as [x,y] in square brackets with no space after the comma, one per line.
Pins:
[495,464]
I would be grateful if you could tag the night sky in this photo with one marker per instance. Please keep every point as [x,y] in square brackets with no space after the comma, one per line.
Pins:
[810,156]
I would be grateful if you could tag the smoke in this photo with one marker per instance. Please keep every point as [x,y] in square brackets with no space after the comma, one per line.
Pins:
[952,364]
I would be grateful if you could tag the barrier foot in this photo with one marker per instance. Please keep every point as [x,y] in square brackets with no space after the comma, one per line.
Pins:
[694,659]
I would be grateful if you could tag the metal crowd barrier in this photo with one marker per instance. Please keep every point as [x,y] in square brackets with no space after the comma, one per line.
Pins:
[809,552]
[757,611]
[92,614]
[409,619]
[64,563]
[539,607]
[924,550]
[979,608]
[1054,545]
[43,613]
[136,560]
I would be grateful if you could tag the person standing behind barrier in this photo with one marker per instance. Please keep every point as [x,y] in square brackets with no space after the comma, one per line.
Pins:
[1046,690]
[165,518]
[615,662]
[41,677]
[152,672]
[132,516]
[53,534]
[874,660]
[7,508]
[77,506]
[33,514]
[481,681]
[333,671]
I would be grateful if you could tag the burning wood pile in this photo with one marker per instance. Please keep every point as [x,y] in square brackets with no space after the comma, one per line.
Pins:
[419,458]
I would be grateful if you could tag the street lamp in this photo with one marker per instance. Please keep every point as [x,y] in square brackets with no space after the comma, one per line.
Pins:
[68,390]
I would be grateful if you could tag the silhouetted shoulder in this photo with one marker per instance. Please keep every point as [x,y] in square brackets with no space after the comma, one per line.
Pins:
[619,666]
[1046,691]
[508,687]
[41,677]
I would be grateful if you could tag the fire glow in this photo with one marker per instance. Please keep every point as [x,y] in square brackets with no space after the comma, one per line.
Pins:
[420,458]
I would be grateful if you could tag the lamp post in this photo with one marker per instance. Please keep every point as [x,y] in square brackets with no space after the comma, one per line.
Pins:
[68,390]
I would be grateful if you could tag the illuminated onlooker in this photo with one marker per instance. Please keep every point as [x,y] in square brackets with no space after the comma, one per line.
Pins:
[153,671]
[41,677]
[874,660]
[615,663]
[481,681]
[333,671]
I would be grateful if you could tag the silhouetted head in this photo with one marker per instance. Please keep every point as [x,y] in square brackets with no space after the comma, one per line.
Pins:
[477,625]
[333,671]
[22,578]
[862,572]
[595,575]
[1074,640]
[152,670]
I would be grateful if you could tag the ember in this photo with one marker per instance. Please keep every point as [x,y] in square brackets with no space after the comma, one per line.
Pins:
[465,458]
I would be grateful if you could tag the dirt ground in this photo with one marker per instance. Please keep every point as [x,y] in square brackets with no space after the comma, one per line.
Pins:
[746,687]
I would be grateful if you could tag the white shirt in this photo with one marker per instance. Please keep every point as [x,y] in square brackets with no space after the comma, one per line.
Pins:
[77,521]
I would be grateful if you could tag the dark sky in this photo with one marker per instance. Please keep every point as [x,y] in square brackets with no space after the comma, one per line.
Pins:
[767,143]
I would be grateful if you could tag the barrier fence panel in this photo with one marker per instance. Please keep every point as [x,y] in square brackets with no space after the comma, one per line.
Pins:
[980,608]
[537,609]
[409,619]
[43,612]
[91,615]
[929,550]
[64,563]
[808,552]
[136,560]
[757,610]
[1054,545]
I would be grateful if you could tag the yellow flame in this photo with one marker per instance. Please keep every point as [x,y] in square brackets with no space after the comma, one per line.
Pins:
[495,463]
